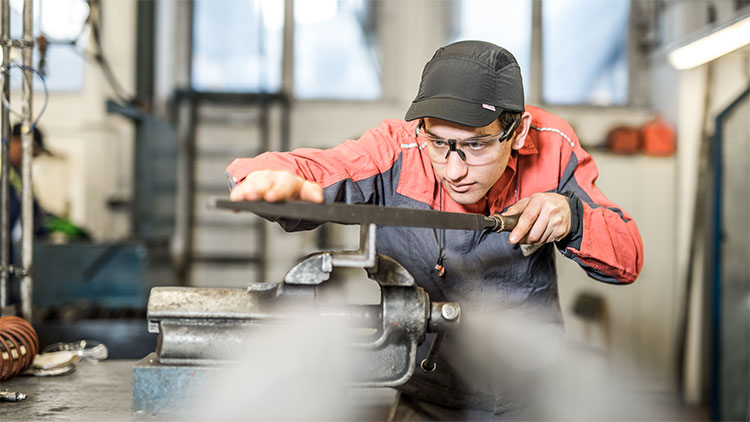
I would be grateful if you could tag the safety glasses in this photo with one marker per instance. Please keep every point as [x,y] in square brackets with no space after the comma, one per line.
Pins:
[473,151]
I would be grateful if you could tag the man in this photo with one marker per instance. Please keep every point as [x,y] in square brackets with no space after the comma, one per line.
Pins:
[45,223]
[468,144]
[15,152]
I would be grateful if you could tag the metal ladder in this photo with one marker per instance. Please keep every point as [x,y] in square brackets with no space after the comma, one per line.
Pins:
[213,128]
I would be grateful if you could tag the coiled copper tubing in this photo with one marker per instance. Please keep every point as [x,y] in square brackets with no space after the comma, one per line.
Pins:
[19,344]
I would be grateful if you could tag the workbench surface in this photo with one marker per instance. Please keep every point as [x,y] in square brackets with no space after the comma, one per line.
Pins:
[104,392]
[94,391]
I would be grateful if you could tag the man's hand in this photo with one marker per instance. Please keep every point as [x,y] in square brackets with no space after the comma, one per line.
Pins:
[275,186]
[545,218]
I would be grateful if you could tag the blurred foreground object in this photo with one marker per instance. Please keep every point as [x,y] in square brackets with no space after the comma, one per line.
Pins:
[18,346]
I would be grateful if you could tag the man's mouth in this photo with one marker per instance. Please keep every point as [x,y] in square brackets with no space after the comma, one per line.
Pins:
[462,188]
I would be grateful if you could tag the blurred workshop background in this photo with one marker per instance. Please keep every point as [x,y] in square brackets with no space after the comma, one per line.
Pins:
[144,103]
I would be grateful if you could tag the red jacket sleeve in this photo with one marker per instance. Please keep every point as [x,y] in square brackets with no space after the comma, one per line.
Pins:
[607,243]
[373,154]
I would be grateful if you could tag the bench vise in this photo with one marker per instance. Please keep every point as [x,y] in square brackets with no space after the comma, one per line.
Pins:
[198,328]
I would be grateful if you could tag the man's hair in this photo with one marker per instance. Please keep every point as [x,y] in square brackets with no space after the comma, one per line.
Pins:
[38,135]
[508,118]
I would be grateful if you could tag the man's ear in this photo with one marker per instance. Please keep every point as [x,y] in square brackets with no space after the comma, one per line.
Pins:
[523,131]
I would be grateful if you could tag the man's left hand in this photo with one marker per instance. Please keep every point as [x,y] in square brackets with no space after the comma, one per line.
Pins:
[544,218]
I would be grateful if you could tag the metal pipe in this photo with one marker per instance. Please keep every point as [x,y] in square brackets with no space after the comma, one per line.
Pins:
[287,58]
[181,247]
[185,113]
[287,75]
[4,163]
[27,201]
[535,70]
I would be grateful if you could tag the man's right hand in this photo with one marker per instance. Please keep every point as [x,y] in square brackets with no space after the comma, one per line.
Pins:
[273,185]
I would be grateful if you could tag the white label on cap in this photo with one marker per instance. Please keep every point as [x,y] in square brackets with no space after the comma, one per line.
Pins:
[488,107]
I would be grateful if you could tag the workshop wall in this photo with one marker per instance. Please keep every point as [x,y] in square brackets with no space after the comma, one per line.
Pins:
[644,320]
[692,98]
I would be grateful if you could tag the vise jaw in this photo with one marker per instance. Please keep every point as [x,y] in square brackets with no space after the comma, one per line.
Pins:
[201,326]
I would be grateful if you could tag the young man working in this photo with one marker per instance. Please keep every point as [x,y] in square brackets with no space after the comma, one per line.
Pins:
[468,144]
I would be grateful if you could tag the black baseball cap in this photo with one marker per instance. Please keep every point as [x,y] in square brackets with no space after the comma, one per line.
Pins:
[469,83]
[38,138]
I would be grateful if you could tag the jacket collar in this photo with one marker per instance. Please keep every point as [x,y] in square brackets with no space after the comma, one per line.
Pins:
[503,192]
[529,146]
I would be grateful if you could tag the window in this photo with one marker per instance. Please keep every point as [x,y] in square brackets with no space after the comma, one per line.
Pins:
[237,45]
[507,24]
[63,23]
[335,50]
[584,52]
[585,69]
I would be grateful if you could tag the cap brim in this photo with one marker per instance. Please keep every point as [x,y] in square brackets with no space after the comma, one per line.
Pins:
[42,150]
[453,110]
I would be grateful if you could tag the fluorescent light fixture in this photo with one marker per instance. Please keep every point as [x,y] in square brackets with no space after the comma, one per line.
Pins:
[718,42]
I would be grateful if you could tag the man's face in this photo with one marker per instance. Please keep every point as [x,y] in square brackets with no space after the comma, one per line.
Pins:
[14,151]
[467,183]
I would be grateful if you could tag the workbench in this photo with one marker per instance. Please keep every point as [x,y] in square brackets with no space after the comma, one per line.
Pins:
[94,391]
[104,392]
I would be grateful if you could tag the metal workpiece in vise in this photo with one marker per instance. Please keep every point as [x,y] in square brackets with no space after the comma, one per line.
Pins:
[201,327]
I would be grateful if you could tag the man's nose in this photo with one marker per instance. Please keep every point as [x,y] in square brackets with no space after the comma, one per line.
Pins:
[455,167]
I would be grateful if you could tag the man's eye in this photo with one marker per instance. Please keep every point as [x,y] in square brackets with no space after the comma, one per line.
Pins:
[439,143]
[475,144]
